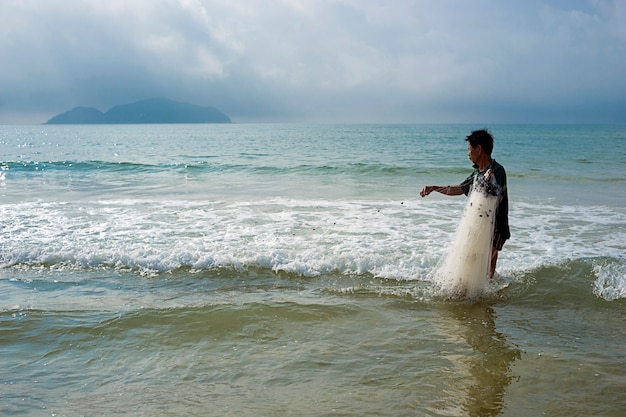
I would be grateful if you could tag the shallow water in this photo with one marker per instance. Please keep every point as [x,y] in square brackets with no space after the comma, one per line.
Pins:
[285,269]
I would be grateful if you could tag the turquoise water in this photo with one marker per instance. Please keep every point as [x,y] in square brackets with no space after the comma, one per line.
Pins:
[286,270]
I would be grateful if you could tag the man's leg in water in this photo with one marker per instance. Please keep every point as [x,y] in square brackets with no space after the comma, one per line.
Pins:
[494,260]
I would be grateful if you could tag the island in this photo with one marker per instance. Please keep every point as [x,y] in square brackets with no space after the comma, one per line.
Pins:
[150,111]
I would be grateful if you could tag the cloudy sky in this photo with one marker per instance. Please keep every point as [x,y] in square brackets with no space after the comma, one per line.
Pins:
[407,61]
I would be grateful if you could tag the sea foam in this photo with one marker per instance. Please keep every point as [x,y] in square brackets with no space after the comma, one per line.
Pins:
[396,240]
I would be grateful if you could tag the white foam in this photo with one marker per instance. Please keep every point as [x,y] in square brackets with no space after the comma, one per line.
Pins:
[304,237]
[544,234]
[314,237]
[611,281]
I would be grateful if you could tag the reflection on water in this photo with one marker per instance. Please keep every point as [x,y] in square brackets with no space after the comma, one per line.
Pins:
[488,367]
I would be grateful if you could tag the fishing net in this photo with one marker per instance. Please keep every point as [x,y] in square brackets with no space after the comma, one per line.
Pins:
[464,271]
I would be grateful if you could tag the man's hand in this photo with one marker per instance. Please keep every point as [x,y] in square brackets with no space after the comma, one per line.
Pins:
[427,190]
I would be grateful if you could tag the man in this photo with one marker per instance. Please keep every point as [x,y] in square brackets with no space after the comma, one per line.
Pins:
[479,147]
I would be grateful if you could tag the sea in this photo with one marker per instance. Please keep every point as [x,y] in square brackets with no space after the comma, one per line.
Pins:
[287,270]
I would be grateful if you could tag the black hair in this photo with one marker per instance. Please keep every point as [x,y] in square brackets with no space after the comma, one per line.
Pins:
[483,138]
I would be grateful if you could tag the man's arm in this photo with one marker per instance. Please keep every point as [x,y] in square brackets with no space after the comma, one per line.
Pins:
[446,190]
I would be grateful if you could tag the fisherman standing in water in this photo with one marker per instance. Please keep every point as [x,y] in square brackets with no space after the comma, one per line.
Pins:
[479,147]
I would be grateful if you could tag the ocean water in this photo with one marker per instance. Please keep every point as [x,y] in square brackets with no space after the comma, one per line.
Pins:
[281,270]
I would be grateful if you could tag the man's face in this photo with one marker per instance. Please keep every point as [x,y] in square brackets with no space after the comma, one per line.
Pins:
[473,153]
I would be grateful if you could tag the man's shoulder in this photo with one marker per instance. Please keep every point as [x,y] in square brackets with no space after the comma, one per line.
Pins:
[495,165]
[500,173]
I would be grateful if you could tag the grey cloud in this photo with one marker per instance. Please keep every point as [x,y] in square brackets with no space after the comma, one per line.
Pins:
[336,60]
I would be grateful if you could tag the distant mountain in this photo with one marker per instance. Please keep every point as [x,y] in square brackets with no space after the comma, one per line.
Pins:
[154,110]
[78,115]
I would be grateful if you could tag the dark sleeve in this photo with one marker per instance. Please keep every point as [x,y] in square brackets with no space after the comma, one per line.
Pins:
[500,175]
[502,212]
[502,217]
[467,184]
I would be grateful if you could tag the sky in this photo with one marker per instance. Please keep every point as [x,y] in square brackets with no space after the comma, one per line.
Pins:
[320,61]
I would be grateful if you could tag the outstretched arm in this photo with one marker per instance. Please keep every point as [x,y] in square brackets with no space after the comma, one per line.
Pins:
[447,190]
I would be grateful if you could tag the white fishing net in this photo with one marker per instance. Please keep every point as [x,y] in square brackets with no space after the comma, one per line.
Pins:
[464,271]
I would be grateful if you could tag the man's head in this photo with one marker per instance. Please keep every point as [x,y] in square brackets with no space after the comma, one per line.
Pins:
[483,138]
